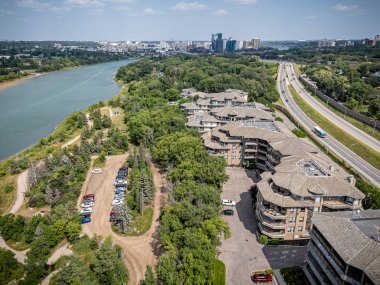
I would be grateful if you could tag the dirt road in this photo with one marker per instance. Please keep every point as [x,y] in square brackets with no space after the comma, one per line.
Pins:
[19,255]
[138,250]
[22,186]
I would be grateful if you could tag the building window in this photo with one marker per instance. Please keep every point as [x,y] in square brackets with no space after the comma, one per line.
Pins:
[302,219]
[291,229]
[316,209]
[300,229]
[293,210]
[317,199]
[233,157]
[292,219]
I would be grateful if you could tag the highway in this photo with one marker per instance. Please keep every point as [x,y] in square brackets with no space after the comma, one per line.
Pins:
[328,114]
[359,164]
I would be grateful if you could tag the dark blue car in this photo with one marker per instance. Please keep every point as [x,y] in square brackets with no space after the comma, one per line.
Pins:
[85,220]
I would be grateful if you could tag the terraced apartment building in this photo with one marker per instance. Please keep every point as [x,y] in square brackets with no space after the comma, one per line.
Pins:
[344,248]
[297,180]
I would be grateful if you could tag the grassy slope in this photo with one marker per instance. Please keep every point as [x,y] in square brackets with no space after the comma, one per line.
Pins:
[219,273]
[361,126]
[365,152]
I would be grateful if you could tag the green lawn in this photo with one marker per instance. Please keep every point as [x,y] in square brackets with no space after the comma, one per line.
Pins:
[219,273]
[365,152]
[141,223]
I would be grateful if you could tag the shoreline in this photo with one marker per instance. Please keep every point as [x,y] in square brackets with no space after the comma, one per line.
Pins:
[8,84]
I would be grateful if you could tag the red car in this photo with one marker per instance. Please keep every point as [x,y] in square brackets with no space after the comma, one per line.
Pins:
[261,277]
[89,196]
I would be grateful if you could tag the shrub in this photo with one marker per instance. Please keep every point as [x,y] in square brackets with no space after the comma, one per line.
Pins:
[9,188]
[299,133]
[274,242]
[264,239]
[279,119]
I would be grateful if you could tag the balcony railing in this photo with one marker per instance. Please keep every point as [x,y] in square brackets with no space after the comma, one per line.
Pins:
[272,214]
[340,205]
[272,234]
[270,223]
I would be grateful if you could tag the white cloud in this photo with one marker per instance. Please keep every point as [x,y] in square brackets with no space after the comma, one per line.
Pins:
[187,6]
[34,4]
[344,8]
[6,12]
[242,2]
[84,3]
[119,1]
[151,11]
[220,12]
[311,17]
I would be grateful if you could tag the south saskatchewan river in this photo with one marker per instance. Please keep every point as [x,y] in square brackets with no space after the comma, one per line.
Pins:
[32,109]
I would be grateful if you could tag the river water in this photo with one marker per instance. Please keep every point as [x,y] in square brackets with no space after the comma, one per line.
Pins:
[32,109]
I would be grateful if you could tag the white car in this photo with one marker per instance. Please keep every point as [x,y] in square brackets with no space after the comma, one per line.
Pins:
[87,204]
[87,211]
[117,202]
[227,202]
[97,171]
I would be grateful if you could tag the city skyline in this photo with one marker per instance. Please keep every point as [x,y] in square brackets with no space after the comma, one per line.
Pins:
[96,20]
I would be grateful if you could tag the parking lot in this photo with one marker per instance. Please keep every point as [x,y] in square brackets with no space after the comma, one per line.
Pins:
[242,253]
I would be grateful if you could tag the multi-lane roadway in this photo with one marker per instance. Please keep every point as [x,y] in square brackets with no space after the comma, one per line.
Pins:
[328,114]
[360,165]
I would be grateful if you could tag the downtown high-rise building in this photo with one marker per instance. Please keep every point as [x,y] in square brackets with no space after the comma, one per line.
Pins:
[217,45]
[230,45]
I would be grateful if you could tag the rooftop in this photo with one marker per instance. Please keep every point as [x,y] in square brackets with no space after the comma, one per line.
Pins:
[353,236]
[270,126]
[312,168]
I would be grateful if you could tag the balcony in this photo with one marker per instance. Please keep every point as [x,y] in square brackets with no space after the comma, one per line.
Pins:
[270,223]
[250,143]
[336,205]
[328,271]
[263,150]
[262,157]
[273,159]
[261,166]
[249,156]
[270,213]
[271,234]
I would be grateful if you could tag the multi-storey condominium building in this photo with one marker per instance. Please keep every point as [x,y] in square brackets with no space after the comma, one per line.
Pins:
[344,248]
[206,102]
[297,181]
[206,122]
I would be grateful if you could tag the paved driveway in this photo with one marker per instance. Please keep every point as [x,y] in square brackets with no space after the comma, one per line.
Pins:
[242,253]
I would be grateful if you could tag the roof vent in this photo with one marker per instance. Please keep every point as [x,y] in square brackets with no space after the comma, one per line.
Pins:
[332,168]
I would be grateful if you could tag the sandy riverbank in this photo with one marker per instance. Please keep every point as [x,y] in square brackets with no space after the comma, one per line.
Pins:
[7,84]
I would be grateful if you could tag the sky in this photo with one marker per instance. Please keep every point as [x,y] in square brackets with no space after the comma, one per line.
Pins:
[113,20]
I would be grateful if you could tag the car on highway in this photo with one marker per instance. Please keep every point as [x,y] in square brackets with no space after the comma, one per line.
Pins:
[117,202]
[87,204]
[228,202]
[85,220]
[261,277]
[96,171]
[87,211]
[228,212]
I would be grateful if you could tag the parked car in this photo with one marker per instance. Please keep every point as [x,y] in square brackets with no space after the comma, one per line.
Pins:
[228,212]
[121,188]
[261,277]
[121,177]
[85,220]
[227,202]
[96,171]
[87,204]
[117,202]
[120,183]
[89,196]
[87,211]
[86,215]
[87,200]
